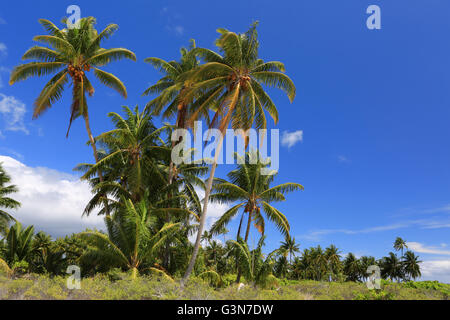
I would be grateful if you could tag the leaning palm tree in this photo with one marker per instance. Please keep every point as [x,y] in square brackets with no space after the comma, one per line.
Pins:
[5,201]
[172,88]
[411,265]
[233,85]
[400,244]
[71,54]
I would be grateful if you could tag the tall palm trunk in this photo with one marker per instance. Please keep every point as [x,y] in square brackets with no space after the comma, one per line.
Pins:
[247,232]
[224,125]
[203,216]
[94,148]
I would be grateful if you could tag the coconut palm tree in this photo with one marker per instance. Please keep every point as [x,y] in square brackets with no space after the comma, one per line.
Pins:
[5,201]
[256,267]
[173,87]
[333,261]
[400,244]
[132,241]
[289,247]
[252,192]
[233,81]
[391,267]
[411,265]
[352,267]
[129,163]
[71,54]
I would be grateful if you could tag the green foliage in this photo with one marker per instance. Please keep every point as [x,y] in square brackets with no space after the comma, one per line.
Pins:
[374,295]
[157,287]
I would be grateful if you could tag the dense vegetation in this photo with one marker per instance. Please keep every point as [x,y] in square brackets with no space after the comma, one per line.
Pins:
[151,205]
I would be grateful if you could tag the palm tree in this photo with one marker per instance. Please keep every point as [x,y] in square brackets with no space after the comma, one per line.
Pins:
[400,244]
[411,265]
[132,242]
[256,268]
[19,244]
[253,192]
[73,53]
[173,87]
[5,201]
[366,262]
[129,164]
[333,261]
[233,85]
[392,267]
[289,247]
[352,267]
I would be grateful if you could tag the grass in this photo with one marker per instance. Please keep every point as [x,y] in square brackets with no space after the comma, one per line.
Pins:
[102,287]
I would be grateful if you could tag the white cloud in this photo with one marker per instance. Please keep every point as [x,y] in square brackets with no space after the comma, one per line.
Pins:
[343,159]
[2,21]
[179,30]
[289,139]
[3,48]
[13,111]
[52,201]
[436,270]
[421,248]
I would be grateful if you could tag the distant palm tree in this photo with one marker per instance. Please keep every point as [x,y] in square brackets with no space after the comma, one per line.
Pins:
[352,267]
[366,262]
[400,244]
[333,261]
[411,265]
[5,201]
[73,53]
[391,267]
[289,247]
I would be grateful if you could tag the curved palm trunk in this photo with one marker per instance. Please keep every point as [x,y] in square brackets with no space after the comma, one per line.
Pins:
[94,148]
[204,211]
[224,125]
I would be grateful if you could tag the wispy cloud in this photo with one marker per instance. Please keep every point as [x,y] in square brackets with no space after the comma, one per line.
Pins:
[3,48]
[172,21]
[421,248]
[13,111]
[2,21]
[343,159]
[289,139]
[179,30]
[317,235]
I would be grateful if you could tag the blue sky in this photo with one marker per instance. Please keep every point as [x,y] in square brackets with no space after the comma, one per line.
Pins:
[373,106]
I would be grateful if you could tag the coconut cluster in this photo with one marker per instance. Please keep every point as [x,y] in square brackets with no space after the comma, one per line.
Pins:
[77,72]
